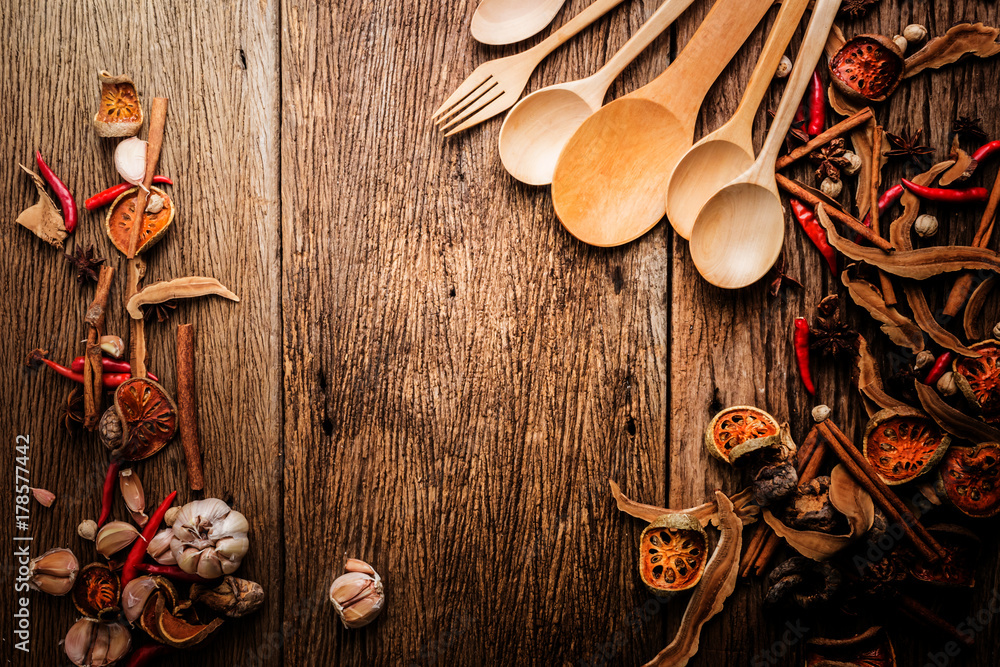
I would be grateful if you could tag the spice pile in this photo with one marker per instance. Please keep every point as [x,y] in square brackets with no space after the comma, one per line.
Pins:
[868,529]
[165,581]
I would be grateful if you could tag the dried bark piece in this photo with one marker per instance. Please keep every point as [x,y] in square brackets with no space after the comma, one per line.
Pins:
[869,381]
[963,39]
[178,288]
[43,217]
[706,513]
[900,329]
[974,307]
[954,421]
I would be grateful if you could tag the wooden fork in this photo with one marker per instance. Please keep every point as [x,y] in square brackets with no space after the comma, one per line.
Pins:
[494,86]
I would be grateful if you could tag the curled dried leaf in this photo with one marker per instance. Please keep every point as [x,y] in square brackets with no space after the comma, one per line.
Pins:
[963,39]
[900,329]
[869,381]
[178,288]
[954,421]
[706,513]
[43,218]
[974,307]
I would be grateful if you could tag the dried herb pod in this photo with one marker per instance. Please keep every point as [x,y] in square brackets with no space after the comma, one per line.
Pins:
[970,478]
[740,425]
[96,592]
[902,444]
[148,418]
[120,112]
[673,553]
[867,67]
[122,215]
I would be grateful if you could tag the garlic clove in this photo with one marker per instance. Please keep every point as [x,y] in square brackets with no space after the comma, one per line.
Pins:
[131,488]
[351,587]
[914,32]
[159,548]
[115,536]
[113,346]
[43,496]
[232,548]
[54,572]
[171,516]
[134,596]
[209,565]
[946,384]
[355,565]
[155,204]
[362,612]
[130,159]
[901,42]
[87,529]
[357,597]
[79,640]
[924,359]
[784,68]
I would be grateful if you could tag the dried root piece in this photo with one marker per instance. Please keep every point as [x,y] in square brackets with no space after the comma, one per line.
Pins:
[43,218]
[179,288]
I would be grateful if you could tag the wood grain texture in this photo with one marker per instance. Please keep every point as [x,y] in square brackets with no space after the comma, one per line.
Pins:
[425,370]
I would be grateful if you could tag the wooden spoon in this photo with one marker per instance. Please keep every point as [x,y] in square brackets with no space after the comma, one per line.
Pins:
[726,153]
[539,126]
[509,21]
[609,183]
[738,234]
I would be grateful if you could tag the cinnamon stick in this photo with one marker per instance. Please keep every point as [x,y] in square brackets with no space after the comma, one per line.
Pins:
[93,373]
[157,121]
[863,473]
[963,285]
[888,292]
[822,139]
[187,406]
[137,328]
[799,192]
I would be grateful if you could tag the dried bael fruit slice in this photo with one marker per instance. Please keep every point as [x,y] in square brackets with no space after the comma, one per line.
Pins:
[120,112]
[958,568]
[871,648]
[121,217]
[902,444]
[741,425]
[673,551]
[176,631]
[95,593]
[868,66]
[148,416]
[970,477]
[979,379]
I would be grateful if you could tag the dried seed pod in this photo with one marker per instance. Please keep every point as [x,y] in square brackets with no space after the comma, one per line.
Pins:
[148,418]
[831,188]
[357,598]
[132,493]
[867,66]
[110,429]
[87,529]
[121,217]
[821,413]
[210,539]
[159,547]
[234,597]
[115,536]
[947,385]
[740,425]
[93,643]
[915,32]
[784,68]
[54,572]
[673,553]
[970,478]
[926,226]
[96,592]
[902,444]
[43,496]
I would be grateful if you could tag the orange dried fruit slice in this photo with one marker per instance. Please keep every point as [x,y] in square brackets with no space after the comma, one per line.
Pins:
[673,552]
[120,112]
[96,592]
[903,444]
[868,66]
[971,479]
[179,633]
[738,425]
[121,218]
[148,416]
[979,379]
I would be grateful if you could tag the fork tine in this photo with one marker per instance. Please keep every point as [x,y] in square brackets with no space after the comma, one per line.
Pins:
[495,106]
[471,84]
[470,103]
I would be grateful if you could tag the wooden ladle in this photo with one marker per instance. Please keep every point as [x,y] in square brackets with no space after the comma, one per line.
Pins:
[609,183]
[509,21]
[738,233]
[539,126]
[726,153]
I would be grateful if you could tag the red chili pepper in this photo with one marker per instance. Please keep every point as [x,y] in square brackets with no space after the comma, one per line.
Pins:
[139,546]
[939,367]
[62,193]
[815,232]
[986,150]
[111,380]
[959,196]
[173,572]
[817,106]
[109,365]
[800,114]
[802,353]
[108,496]
[888,198]
[115,191]
[144,654]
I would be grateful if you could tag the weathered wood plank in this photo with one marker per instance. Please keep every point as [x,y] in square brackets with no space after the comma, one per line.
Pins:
[218,64]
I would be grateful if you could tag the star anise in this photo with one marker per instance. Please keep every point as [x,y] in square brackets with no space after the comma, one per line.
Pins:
[831,337]
[908,145]
[900,383]
[85,263]
[71,412]
[969,128]
[782,278]
[160,311]
[830,159]
[856,8]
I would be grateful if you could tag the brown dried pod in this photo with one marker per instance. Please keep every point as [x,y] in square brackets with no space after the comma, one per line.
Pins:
[121,218]
[148,417]
[234,597]
[120,111]
[867,66]
[109,429]
[96,592]
[739,425]
[979,379]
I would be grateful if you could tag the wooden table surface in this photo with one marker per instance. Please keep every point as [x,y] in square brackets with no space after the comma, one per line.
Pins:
[425,370]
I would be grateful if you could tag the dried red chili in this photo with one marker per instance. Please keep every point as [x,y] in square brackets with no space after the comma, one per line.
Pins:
[802,353]
[888,198]
[105,198]
[62,193]
[939,367]
[172,572]
[958,196]
[817,106]
[807,220]
[986,151]
[111,380]
[135,556]
[145,654]
[109,365]
[108,495]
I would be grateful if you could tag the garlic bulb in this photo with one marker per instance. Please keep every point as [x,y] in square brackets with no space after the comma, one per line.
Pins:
[784,67]
[87,529]
[358,595]
[210,539]
[901,42]
[946,384]
[926,226]
[130,160]
[159,547]
[54,572]
[821,413]
[854,163]
[914,32]
[115,536]
[831,188]
[93,643]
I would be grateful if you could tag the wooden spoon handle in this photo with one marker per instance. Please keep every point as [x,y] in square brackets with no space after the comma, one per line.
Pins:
[571,28]
[785,25]
[823,15]
[650,30]
[683,86]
